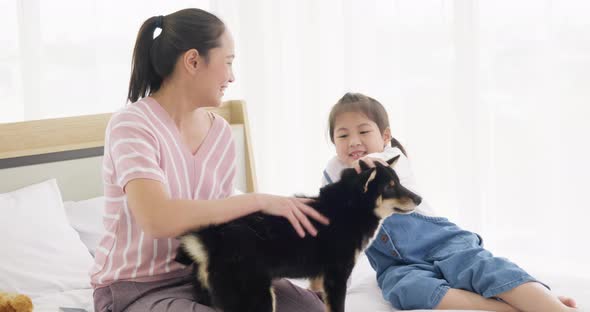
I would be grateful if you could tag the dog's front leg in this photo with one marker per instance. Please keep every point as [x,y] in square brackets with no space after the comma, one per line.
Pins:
[335,287]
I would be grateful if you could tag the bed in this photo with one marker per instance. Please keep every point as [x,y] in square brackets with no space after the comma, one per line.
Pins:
[51,205]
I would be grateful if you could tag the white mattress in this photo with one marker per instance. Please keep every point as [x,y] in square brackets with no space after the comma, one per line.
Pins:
[363,294]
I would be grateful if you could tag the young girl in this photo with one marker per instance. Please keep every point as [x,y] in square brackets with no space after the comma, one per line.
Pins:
[423,261]
[169,167]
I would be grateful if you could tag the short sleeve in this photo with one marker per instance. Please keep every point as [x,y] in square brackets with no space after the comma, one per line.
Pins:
[134,151]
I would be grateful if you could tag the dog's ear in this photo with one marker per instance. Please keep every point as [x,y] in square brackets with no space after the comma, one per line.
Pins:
[363,165]
[393,161]
[366,177]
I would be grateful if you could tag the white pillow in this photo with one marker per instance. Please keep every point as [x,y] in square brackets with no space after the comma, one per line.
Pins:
[85,217]
[41,252]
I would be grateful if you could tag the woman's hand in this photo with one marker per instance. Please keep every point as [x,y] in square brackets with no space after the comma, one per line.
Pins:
[369,162]
[294,209]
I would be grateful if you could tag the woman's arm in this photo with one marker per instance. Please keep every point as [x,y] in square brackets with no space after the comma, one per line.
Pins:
[458,299]
[160,216]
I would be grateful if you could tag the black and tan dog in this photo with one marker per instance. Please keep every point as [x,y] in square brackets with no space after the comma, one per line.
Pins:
[236,261]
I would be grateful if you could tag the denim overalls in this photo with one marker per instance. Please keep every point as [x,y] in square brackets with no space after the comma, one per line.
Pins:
[418,258]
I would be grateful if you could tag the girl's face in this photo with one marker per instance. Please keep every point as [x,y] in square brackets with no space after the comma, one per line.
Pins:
[214,76]
[355,136]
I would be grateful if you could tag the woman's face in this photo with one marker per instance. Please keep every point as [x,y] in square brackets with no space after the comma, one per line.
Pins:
[215,75]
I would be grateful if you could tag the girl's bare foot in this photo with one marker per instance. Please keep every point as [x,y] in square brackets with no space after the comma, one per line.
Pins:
[567,301]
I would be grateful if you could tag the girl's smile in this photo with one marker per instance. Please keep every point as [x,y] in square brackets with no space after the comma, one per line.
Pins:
[356,136]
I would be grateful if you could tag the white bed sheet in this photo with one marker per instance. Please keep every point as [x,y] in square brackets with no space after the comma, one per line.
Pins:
[363,295]
[79,298]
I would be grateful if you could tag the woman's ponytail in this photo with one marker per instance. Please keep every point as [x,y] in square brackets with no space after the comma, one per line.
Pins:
[144,78]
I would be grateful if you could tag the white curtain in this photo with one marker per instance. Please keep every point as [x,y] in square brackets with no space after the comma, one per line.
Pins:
[490,98]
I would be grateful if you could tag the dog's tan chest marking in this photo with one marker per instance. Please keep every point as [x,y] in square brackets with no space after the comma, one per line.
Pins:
[194,247]
[381,211]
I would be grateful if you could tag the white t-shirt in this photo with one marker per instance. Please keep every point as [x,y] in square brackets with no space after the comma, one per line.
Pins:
[402,168]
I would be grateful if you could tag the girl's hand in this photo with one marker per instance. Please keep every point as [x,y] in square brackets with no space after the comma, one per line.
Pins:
[369,162]
[294,209]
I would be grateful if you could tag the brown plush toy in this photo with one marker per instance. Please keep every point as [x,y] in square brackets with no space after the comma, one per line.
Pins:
[15,303]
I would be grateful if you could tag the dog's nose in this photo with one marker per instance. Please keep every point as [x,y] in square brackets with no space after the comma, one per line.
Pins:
[417,200]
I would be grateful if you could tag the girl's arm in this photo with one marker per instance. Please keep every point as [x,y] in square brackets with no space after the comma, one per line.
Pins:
[459,299]
[161,216]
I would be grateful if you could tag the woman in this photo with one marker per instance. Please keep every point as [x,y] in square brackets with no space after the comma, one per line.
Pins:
[169,167]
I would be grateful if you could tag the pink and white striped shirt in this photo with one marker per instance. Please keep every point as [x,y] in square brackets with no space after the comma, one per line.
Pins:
[142,141]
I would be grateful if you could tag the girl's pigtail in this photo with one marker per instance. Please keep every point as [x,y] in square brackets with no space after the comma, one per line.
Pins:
[396,143]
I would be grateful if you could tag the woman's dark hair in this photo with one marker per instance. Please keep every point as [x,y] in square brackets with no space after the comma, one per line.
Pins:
[154,58]
[357,102]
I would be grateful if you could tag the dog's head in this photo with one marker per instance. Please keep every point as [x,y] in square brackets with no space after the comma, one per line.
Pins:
[381,185]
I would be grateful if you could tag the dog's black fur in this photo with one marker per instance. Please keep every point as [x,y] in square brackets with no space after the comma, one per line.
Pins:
[236,261]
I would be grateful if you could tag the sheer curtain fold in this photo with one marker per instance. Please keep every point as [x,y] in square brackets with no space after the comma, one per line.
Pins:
[491,99]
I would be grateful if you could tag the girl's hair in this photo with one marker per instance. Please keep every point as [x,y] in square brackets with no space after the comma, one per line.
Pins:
[154,58]
[360,103]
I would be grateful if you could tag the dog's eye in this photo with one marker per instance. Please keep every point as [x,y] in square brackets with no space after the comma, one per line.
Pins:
[389,186]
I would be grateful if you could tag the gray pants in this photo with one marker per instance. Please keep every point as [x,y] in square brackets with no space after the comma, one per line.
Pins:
[176,294]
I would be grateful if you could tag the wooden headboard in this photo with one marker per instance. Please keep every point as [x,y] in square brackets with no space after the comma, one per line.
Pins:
[70,149]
